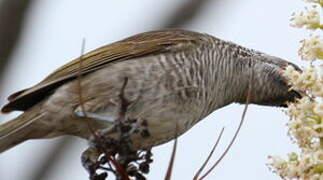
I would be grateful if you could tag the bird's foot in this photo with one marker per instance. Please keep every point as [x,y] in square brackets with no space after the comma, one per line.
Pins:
[113,145]
[135,126]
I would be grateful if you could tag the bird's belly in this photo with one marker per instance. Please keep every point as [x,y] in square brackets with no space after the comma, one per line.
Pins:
[161,98]
[159,121]
[164,122]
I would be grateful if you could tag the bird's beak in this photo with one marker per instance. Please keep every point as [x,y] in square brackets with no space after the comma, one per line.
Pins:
[294,96]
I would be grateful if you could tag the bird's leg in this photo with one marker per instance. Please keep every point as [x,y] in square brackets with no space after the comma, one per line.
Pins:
[113,145]
[122,124]
[115,138]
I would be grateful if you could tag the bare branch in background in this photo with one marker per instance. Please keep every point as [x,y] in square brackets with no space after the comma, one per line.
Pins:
[60,149]
[52,159]
[12,16]
[186,13]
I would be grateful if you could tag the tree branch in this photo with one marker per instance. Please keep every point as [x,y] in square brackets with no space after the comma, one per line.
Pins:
[12,16]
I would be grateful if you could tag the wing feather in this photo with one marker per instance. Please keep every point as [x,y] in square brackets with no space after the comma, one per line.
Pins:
[139,45]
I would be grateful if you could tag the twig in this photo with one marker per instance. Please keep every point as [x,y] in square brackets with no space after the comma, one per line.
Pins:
[52,159]
[124,102]
[12,21]
[172,158]
[209,157]
[185,13]
[79,88]
[81,103]
[237,132]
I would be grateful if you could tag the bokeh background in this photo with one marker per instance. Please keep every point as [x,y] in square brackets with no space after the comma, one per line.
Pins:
[38,36]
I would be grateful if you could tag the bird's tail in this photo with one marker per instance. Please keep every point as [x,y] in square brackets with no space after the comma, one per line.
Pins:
[29,125]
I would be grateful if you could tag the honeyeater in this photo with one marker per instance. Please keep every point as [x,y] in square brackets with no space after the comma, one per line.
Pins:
[175,78]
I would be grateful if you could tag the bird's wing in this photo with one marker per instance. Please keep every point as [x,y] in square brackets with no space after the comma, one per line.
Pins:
[139,45]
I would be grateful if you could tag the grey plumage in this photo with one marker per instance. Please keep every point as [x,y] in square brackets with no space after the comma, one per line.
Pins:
[179,78]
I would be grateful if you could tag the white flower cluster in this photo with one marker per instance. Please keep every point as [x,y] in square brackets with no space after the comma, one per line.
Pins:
[306,124]
[305,127]
[310,18]
[315,1]
[310,162]
[311,48]
[311,79]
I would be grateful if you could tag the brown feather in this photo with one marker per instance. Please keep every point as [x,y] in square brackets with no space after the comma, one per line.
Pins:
[139,45]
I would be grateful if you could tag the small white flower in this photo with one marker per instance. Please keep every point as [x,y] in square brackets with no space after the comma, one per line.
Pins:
[309,76]
[320,71]
[318,109]
[293,75]
[305,104]
[317,89]
[306,124]
[293,111]
[309,19]
[315,1]
[318,156]
[314,177]
[292,171]
[311,49]
[277,161]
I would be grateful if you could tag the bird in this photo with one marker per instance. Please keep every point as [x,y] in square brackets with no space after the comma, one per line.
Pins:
[174,78]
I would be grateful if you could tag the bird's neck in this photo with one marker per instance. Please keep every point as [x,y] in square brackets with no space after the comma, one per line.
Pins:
[226,68]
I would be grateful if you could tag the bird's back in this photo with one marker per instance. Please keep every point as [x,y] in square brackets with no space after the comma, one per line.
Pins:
[140,45]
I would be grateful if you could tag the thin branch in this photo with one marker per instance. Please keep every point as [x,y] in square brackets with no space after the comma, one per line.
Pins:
[185,13]
[62,146]
[120,170]
[52,159]
[79,88]
[172,158]
[12,16]
[209,157]
[79,79]
[238,130]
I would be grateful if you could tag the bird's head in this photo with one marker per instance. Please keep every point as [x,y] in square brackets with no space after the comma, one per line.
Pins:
[269,86]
